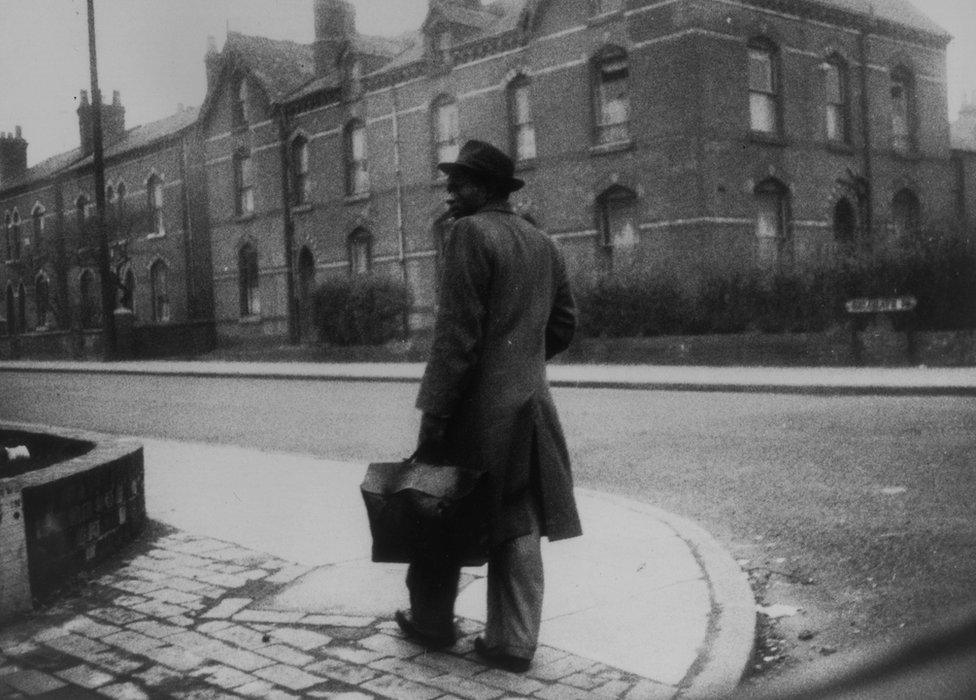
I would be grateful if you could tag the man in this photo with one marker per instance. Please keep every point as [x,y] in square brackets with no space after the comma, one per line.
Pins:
[505,308]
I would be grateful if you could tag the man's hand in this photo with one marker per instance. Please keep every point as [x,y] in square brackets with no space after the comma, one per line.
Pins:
[432,441]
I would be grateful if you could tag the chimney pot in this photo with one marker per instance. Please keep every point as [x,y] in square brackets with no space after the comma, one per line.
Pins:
[18,131]
[84,97]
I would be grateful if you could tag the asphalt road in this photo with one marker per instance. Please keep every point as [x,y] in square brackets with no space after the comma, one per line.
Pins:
[859,510]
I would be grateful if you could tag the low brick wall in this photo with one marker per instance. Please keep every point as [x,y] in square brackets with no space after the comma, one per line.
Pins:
[64,518]
[190,338]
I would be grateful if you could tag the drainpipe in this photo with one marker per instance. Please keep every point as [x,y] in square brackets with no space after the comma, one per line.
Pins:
[868,165]
[294,332]
[398,172]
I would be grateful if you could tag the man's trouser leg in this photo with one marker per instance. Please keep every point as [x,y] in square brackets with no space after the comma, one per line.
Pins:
[433,585]
[515,587]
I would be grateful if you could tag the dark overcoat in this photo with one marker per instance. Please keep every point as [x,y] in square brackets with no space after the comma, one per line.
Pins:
[505,307]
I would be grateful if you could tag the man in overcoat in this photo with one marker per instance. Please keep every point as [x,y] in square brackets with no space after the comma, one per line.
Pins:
[505,307]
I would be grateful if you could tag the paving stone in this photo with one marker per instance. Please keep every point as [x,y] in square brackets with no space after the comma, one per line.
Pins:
[585,681]
[213,626]
[255,689]
[173,657]
[337,620]
[117,616]
[352,654]
[137,586]
[288,574]
[181,620]
[353,674]
[509,682]
[31,682]
[130,640]
[239,635]
[20,649]
[560,668]
[560,691]
[7,669]
[88,627]
[190,586]
[155,608]
[127,601]
[228,581]
[395,646]
[464,688]
[400,688]
[155,629]
[156,676]
[50,633]
[203,694]
[238,658]
[449,663]
[115,662]
[223,676]
[288,676]
[406,669]
[613,689]
[77,646]
[546,655]
[254,574]
[171,595]
[124,691]
[199,546]
[645,689]
[286,655]
[227,607]
[270,616]
[303,639]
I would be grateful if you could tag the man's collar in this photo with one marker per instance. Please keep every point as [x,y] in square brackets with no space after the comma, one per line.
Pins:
[498,205]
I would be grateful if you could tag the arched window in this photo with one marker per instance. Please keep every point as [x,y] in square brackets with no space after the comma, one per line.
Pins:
[611,95]
[6,236]
[902,109]
[360,250]
[248,281]
[42,300]
[521,128]
[764,87]
[445,130]
[617,222]
[357,170]
[238,109]
[772,220]
[243,184]
[299,170]
[154,193]
[11,310]
[128,291]
[15,234]
[845,222]
[836,112]
[91,315]
[159,291]
[906,215]
[37,224]
[22,308]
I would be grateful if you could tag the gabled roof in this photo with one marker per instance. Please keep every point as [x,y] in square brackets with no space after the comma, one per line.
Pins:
[133,139]
[280,66]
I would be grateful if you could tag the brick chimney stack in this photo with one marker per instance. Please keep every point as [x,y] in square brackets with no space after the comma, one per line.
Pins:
[113,121]
[335,27]
[13,156]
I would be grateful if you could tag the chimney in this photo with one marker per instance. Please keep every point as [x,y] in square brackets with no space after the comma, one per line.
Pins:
[335,27]
[13,156]
[211,62]
[113,122]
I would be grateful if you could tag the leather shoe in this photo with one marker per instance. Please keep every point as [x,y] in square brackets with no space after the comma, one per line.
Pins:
[499,659]
[426,639]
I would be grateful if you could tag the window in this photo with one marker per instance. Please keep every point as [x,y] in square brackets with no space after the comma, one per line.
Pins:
[247,273]
[11,311]
[37,224]
[238,108]
[6,235]
[357,173]
[763,88]
[22,308]
[91,316]
[299,171]
[618,227]
[154,191]
[845,222]
[15,234]
[835,100]
[42,300]
[520,119]
[611,91]
[243,184]
[902,109]
[159,291]
[445,130]
[772,220]
[127,293]
[906,213]
[360,244]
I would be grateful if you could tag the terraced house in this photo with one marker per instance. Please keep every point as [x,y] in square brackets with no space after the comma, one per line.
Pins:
[686,136]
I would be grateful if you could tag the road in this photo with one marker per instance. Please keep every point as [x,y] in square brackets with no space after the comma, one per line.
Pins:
[860,510]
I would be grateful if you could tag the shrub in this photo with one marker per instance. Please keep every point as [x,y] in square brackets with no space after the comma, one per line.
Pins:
[630,304]
[361,309]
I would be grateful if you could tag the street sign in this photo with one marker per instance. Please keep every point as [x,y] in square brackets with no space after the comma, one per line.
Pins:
[879,306]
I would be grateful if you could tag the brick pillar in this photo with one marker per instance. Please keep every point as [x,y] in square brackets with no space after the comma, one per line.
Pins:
[15,595]
[125,336]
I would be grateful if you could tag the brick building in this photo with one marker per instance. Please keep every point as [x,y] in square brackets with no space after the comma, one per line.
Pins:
[689,137]
[157,232]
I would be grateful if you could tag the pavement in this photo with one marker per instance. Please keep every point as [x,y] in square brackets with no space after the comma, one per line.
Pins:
[255,579]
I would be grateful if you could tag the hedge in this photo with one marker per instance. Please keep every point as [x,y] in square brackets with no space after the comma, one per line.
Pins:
[361,309]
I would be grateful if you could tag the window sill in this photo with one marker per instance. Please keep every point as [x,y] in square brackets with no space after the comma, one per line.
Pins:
[615,147]
[249,320]
[841,147]
[767,139]
[303,208]
[151,236]
[356,198]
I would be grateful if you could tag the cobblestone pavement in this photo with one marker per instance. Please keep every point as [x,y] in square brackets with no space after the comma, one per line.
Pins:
[179,616]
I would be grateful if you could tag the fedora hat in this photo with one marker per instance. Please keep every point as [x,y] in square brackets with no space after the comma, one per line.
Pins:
[485,162]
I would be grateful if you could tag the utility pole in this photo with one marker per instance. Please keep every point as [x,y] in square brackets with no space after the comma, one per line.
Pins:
[98,166]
